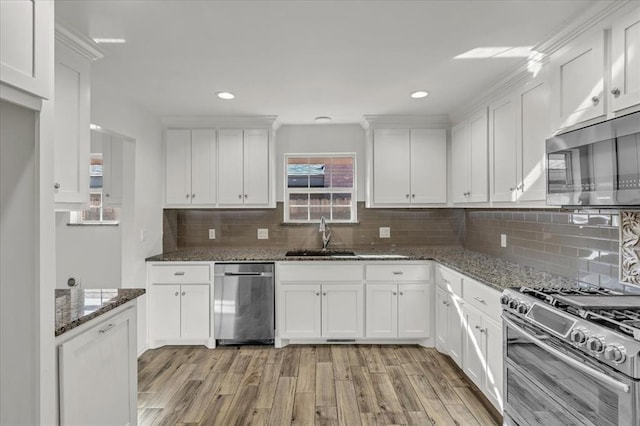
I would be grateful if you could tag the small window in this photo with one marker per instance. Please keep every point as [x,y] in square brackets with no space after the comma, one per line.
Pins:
[96,212]
[318,185]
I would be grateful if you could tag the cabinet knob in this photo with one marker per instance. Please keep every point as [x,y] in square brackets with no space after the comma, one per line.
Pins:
[56,185]
[401,293]
[394,293]
[615,92]
[513,189]
[413,195]
[193,195]
[317,293]
[184,292]
[240,196]
[407,196]
[106,195]
[324,294]
[444,302]
[480,300]
[595,100]
[177,293]
[245,196]
[187,195]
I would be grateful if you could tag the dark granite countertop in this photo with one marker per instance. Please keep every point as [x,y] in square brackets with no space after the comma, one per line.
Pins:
[75,307]
[494,272]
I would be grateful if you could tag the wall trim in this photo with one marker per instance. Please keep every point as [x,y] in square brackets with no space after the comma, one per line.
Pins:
[78,42]
[214,121]
[439,121]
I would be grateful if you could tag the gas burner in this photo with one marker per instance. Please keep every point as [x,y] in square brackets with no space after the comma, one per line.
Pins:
[623,320]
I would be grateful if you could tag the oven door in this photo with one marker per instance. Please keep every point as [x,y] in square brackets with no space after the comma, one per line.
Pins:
[547,383]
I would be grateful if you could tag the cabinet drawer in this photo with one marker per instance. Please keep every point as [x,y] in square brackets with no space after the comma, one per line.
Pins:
[482,297]
[398,273]
[176,273]
[449,281]
[319,272]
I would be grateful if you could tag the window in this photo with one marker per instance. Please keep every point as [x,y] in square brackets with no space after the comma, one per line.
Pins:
[96,213]
[318,185]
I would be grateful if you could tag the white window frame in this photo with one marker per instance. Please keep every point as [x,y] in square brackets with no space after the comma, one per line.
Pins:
[331,190]
[75,217]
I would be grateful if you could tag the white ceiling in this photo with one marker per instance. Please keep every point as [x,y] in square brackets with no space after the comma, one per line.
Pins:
[302,59]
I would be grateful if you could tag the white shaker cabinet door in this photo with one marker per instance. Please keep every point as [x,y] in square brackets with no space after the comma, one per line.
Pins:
[460,163]
[164,312]
[391,171]
[256,167]
[72,135]
[479,158]
[194,311]
[98,374]
[625,61]
[442,320]
[414,310]
[502,135]
[382,310]
[203,166]
[230,167]
[178,166]
[112,170]
[492,332]
[299,311]
[342,311]
[474,352]
[428,166]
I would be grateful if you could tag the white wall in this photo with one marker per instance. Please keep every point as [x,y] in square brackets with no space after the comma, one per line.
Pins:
[90,254]
[323,138]
[141,226]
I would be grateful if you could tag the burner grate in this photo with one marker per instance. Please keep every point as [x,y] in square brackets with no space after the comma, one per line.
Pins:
[624,320]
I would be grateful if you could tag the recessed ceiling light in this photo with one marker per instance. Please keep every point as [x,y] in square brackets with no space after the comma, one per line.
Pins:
[225,95]
[109,40]
[419,94]
[94,127]
[322,119]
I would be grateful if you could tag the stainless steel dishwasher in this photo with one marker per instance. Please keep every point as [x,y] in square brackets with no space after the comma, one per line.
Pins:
[243,303]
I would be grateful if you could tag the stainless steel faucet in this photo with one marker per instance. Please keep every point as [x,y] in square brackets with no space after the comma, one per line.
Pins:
[324,229]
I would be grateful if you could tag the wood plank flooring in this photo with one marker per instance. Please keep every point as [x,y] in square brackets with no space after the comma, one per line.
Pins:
[304,385]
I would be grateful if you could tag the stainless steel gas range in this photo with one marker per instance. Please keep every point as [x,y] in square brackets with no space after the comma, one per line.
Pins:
[571,357]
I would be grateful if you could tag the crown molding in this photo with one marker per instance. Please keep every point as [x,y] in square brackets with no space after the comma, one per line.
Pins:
[234,121]
[421,121]
[520,74]
[78,42]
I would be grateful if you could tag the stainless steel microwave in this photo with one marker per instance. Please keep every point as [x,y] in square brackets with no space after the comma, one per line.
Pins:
[598,165]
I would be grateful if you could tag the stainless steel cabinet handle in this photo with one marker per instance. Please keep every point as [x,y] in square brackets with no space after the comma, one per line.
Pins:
[446,281]
[56,185]
[615,92]
[398,272]
[477,327]
[444,302]
[595,100]
[184,292]
[512,189]
[107,328]
[178,273]
[597,375]
[480,299]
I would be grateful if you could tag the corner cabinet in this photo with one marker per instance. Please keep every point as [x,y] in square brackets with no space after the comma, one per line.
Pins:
[98,371]
[25,26]
[190,167]
[409,167]
[179,304]
[244,167]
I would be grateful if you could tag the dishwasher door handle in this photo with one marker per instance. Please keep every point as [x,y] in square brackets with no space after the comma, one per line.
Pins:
[247,274]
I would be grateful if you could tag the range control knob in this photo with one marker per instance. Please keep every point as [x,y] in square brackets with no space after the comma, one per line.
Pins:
[513,303]
[615,353]
[505,299]
[578,336]
[595,344]
[523,308]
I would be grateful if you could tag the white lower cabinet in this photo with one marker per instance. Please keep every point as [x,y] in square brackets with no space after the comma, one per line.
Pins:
[104,356]
[398,310]
[449,329]
[314,310]
[179,304]
[483,353]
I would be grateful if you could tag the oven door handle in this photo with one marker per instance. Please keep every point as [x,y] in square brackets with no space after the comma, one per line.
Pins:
[576,364]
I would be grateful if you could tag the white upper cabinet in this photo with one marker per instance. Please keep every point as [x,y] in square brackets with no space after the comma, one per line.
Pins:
[72,134]
[625,61]
[112,170]
[533,130]
[190,166]
[25,28]
[502,136]
[409,167]
[244,167]
[578,81]
[469,159]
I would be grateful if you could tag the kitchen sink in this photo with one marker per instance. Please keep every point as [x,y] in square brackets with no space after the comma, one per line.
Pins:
[320,253]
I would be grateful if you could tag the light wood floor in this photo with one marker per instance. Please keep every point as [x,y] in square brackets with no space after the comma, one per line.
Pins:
[304,385]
